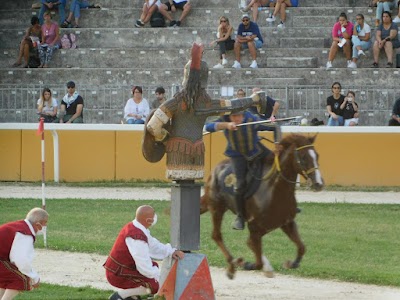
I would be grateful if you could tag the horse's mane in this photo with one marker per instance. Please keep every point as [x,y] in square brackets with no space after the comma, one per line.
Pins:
[296,140]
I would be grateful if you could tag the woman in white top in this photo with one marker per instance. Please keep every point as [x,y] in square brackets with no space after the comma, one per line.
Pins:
[137,108]
[224,40]
[361,39]
[47,106]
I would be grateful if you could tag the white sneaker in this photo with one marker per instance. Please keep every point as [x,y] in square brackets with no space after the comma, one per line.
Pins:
[219,66]
[348,63]
[281,25]
[328,65]
[224,61]
[352,65]
[396,20]
[236,65]
[254,65]
[271,19]
[360,52]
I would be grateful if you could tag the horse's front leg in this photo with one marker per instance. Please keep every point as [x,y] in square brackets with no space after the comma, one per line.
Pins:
[254,243]
[292,232]
[217,237]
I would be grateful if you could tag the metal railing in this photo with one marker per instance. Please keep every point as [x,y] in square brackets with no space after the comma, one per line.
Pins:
[105,104]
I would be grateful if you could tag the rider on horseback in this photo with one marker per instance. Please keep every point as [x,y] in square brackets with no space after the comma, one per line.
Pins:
[243,147]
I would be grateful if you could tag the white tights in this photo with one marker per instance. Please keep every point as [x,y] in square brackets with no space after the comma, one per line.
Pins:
[141,290]
[8,294]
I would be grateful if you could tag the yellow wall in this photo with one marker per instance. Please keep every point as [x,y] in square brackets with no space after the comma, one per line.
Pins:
[10,155]
[368,159]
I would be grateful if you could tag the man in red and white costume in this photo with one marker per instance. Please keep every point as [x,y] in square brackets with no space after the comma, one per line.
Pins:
[17,252]
[129,265]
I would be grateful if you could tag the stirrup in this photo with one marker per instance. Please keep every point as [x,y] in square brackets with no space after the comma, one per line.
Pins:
[238,224]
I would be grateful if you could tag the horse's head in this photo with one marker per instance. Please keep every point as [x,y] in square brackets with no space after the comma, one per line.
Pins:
[305,160]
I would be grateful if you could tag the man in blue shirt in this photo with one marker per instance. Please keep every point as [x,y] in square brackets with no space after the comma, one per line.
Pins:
[248,37]
[243,147]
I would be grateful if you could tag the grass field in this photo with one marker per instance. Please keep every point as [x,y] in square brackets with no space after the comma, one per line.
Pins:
[350,242]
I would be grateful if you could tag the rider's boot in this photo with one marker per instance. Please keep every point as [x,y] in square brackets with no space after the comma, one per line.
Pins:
[238,224]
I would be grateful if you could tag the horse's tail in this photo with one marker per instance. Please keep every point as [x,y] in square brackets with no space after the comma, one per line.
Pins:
[204,200]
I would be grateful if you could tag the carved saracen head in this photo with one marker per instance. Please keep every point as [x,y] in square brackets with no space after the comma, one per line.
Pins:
[195,74]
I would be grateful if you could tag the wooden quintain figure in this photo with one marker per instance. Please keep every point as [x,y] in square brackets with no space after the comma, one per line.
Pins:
[176,127]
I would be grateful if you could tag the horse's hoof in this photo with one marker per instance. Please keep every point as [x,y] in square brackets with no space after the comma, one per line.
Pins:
[287,264]
[249,266]
[269,274]
[238,262]
[230,275]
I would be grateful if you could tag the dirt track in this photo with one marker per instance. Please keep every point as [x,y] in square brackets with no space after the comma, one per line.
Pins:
[79,269]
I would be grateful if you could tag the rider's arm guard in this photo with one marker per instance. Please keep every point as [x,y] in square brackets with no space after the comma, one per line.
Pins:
[233,105]
[155,125]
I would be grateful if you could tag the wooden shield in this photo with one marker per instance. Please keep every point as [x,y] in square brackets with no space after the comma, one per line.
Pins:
[152,151]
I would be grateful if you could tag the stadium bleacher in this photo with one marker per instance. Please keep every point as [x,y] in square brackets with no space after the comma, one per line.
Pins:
[113,55]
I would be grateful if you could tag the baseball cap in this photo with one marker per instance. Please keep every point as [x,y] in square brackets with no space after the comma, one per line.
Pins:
[245,16]
[71,84]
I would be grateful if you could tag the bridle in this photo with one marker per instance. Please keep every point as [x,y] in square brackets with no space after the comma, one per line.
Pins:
[303,172]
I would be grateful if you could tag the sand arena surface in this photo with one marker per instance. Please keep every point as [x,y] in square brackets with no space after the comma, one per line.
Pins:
[81,269]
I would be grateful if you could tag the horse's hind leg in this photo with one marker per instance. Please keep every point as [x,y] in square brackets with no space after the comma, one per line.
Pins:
[291,231]
[217,216]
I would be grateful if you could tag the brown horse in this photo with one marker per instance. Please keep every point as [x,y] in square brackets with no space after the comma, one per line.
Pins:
[273,205]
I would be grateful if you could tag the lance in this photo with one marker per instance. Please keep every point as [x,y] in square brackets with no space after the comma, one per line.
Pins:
[262,122]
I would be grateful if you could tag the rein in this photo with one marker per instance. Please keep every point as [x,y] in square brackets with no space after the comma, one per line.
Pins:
[277,166]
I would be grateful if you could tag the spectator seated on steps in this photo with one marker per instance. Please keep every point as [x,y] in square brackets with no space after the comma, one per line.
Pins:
[71,110]
[224,40]
[137,108]
[397,19]
[254,5]
[248,37]
[172,6]
[47,106]
[381,6]
[29,42]
[395,120]
[361,39]
[75,12]
[386,38]
[58,5]
[160,97]
[149,7]
[50,40]
[350,109]
[280,7]
[342,32]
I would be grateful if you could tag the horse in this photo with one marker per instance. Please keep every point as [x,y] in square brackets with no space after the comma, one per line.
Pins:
[272,206]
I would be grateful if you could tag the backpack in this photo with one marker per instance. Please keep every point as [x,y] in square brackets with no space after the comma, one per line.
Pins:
[68,41]
[34,60]
[157,20]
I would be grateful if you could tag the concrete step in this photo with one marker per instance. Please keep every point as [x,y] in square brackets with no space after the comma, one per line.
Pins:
[302,37]
[164,59]
[21,4]
[154,58]
[199,17]
[149,76]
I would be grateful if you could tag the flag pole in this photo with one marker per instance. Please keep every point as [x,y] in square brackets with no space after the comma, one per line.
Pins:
[41,132]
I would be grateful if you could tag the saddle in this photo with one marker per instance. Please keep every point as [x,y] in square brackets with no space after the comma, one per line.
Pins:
[227,178]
